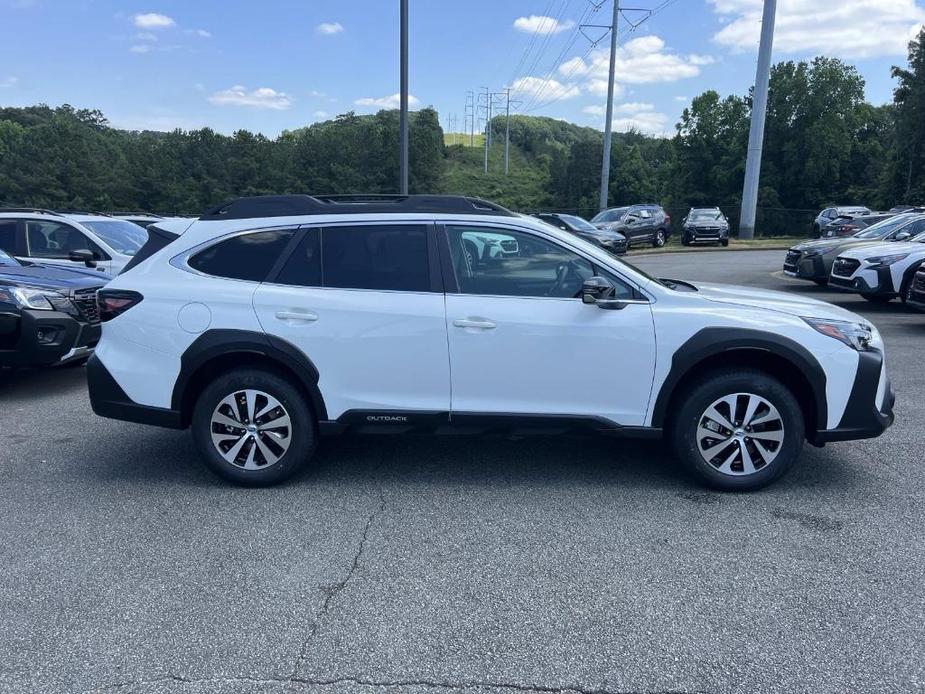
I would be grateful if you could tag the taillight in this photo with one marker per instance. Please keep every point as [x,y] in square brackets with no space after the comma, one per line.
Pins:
[115,302]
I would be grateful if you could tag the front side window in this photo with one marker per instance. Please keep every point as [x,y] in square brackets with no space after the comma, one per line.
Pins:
[503,262]
[383,257]
[55,240]
[8,235]
[121,236]
[247,257]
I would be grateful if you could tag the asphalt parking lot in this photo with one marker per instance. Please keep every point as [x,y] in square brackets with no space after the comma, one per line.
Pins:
[460,564]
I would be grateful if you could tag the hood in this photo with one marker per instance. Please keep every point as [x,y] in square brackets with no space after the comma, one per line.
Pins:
[51,277]
[782,302]
[824,245]
[605,234]
[887,248]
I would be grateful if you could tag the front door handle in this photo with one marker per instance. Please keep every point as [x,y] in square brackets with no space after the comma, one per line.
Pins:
[474,323]
[306,316]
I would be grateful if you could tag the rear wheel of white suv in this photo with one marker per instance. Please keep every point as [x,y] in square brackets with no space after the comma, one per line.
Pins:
[737,431]
[253,428]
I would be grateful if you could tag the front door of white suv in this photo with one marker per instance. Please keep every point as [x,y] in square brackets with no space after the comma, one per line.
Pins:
[365,304]
[52,242]
[522,342]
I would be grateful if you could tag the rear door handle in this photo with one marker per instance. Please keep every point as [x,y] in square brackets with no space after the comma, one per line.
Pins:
[306,316]
[474,323]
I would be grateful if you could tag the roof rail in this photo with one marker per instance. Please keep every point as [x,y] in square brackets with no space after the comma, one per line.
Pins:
[298,205]
[89,213]
[30,210]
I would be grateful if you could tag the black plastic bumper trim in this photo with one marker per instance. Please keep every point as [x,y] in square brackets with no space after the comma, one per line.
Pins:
[862,419]
[109,400]
[28,351]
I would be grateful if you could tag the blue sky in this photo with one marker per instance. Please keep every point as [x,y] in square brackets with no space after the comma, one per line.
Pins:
[272,65]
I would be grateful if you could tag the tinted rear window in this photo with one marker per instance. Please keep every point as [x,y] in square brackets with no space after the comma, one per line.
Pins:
[246,257]
[385,257]
[303,269]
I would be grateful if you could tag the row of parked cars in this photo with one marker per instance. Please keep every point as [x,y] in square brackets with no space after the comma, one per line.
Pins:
[881,262]
[51,266]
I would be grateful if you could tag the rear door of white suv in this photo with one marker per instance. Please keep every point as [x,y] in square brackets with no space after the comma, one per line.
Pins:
[365,303]
[523,343]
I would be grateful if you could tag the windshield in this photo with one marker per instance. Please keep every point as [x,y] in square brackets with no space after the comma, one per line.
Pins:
[577,222]
[614,215]
[123,237]
[705,215]
[880,229]
[6,260]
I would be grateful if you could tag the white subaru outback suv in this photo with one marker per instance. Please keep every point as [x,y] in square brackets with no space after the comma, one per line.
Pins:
[273,320]
[880,272]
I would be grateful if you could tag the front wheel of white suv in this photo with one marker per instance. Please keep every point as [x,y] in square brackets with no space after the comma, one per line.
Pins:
[253,428]
[737,431]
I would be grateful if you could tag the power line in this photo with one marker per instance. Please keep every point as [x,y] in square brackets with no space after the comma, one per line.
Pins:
[523,58]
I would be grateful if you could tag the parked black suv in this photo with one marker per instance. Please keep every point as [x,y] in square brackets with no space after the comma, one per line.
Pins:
[611,241]
[640,224]
[48,314]
[916,292]
[705,225]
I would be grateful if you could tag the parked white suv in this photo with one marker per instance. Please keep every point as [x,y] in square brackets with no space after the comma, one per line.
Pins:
[881,272]
[54,238]
[272,320]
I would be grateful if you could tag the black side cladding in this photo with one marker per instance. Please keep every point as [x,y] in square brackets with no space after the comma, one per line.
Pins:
[157,239]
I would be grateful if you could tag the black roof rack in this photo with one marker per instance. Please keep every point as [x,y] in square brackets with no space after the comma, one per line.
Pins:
[298,205]
[30,210]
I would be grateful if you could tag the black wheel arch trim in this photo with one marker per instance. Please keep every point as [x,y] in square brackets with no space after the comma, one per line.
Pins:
[711,342]
[222,343]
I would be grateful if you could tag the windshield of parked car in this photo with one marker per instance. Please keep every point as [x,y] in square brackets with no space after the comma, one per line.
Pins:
[614,215]
[577,222]
[6,260]
[880,229]
[123,237]
[705,216]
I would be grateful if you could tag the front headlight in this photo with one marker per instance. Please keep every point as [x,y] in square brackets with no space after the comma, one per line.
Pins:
[25,297]
[858,336]
[886,260]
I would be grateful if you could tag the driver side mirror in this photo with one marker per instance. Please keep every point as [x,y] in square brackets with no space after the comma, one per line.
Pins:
[83,256]
[599,291]
[902,236]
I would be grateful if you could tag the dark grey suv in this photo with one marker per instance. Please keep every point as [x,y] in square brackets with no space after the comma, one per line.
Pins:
[641,224]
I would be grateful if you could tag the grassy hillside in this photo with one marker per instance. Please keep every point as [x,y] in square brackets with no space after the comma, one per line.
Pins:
[463,174]
[449,139]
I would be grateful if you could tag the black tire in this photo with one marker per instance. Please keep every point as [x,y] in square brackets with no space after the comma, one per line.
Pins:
[724,243]
[660,239]
[685,240]
[878,298]
[76,363]
[823,282]
[906,292]
[302,432]
[692,405]
[817,231]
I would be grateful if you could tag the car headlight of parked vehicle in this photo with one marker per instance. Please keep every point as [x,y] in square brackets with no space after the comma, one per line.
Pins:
[38,299]
[886,260]
[859,336]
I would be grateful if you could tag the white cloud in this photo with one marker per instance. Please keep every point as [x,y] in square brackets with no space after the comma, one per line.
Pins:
[264,97]
[141,48]
[682,99]
[642,117]
[391,101]
[145,36]
[153,20]
[600,111]
[201,33]
[538,24]
[530,87]
[8,82]
[329,28]
[321,114]
[842,28]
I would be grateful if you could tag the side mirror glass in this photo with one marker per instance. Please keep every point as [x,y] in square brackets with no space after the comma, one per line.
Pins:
[598,291]
[83,256]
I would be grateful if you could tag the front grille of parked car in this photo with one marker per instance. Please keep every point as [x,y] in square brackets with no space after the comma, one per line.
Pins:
[707,231]
[85,301]
[845,266]
[509,245]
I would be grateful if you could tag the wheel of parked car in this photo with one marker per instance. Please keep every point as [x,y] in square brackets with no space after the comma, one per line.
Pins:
[685,240]
[659,239]
[472,254]
[821,281]
[724,243]
[738,430]
[253,428]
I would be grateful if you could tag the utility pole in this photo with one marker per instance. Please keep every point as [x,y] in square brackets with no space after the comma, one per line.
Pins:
[469,117]
[507,133]
[756,132]
[403,114]
[608,125]
[487,125]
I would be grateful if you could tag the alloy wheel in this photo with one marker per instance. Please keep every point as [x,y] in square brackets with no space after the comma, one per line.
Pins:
[659,238]
[740,434]
[251,429]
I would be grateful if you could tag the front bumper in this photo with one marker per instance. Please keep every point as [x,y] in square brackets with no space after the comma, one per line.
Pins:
[812,268]
[871,281]
[694,236]
[45,338]
[864,417]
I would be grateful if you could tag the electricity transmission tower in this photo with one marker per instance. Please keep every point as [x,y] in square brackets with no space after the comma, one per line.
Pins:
[486,107]
[756,131]
[469,117]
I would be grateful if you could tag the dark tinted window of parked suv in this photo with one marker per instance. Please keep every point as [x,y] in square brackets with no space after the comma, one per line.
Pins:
[8,235]
[387,257]
[246,257]
[303,269]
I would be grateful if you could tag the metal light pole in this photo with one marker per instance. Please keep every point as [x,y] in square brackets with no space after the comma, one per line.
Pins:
[756,132]
[608,126]
[403,114]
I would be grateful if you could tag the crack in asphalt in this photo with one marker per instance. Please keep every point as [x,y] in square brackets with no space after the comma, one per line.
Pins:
[389,684]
